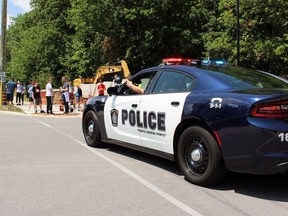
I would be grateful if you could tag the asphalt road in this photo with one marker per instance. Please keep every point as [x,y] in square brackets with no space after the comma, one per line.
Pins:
[47,169]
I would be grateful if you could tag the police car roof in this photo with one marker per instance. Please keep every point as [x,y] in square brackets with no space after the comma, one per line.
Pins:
[213,77]
[202,74]
[193,70]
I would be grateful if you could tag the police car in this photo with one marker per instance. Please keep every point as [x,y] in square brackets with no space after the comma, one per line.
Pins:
[211,119]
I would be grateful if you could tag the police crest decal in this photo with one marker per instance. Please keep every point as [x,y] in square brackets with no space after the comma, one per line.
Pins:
[114,117]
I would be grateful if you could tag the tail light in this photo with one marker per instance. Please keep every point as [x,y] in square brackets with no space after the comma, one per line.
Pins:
[271,110]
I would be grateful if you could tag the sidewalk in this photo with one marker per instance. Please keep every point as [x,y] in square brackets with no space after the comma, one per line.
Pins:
[56,110]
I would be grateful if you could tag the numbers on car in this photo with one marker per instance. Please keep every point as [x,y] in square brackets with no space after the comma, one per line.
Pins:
[283,137]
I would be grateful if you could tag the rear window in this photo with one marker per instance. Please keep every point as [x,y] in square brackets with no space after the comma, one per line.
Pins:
[243,78]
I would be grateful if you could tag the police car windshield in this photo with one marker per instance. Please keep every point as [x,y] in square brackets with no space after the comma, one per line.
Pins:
[243,78]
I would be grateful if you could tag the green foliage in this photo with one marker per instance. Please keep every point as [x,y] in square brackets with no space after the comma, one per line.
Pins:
[37,41]
[75,37]
[263,26]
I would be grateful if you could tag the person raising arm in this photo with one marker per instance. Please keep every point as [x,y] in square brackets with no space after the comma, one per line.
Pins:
[134,88]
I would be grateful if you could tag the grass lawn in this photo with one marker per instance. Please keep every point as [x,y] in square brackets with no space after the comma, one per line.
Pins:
[12,109]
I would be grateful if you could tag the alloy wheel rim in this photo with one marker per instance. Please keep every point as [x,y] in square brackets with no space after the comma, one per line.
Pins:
[196,156]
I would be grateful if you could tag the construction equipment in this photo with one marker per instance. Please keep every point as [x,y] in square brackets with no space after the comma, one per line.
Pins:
[104,73]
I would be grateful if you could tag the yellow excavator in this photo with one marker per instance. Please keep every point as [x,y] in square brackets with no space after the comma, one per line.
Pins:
[104,73]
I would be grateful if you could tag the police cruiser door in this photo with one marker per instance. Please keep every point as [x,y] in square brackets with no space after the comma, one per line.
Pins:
[123,117]
[162,110]
[120,115]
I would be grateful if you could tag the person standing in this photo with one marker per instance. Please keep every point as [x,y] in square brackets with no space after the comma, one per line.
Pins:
[30,92]
[49,97]
[101,88]
[78,96]
[18,93]
[31,84]
[36,92]
[71,97]
[10,88]
[65,94]
[23,88]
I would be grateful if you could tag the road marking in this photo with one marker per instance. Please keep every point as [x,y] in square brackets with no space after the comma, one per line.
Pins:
[45,124]
[152,187]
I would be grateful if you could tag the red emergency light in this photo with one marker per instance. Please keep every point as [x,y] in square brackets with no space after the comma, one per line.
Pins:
[180,61]
[176,60]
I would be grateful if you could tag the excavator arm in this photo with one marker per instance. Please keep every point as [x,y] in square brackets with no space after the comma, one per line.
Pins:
[103,70]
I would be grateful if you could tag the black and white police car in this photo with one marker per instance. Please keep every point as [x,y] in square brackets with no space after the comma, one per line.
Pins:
[209,119]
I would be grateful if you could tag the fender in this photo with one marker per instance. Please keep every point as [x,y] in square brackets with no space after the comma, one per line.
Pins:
[97,105]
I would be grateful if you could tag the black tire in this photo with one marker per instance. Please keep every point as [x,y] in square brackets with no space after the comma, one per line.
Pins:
[91,130]
[199,157]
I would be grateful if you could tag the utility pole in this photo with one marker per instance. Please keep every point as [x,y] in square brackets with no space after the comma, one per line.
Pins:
[238,32]
[3,47]
[3,35]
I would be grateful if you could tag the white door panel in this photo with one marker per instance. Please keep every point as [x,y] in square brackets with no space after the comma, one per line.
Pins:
[120,118]
[168,111]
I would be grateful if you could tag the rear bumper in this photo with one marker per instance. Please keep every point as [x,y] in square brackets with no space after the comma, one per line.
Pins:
[279,168]
[268,164]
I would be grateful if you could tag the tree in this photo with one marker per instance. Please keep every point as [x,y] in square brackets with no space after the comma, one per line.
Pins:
[22,46]
[75,37]
[37,41]
[263,39]
[264,26]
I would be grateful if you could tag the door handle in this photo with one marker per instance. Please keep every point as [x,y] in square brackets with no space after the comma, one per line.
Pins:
[134,105]
[175,103]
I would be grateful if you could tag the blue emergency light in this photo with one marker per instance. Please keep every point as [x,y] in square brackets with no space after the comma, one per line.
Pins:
[213,62]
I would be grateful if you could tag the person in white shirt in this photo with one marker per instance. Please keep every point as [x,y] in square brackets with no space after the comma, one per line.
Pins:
[23,88]
[49,97]
[65,94]
[30,92]
[18,92]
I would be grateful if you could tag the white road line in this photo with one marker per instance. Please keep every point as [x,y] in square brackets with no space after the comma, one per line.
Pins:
[45,124]
[152,187]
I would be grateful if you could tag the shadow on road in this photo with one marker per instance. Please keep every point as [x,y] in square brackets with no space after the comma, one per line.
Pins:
[264,187]
[162,163]
[272,187]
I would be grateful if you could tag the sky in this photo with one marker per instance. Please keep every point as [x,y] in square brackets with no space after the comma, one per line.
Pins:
[16,7]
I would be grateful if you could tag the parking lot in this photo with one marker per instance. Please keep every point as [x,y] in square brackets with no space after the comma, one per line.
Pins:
[47,169]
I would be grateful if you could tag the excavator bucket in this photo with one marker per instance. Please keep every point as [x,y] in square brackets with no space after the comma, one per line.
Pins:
[126,71]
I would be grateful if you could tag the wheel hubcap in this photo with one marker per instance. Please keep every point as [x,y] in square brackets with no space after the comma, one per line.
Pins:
[91,128]
[196,155]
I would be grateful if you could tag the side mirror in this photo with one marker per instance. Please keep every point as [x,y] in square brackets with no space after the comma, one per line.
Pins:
[112,91]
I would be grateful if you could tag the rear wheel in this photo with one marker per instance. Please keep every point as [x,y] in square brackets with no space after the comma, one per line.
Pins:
[199,157]
[91,130]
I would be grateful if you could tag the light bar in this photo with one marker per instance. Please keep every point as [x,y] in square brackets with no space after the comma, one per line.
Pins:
[176,59]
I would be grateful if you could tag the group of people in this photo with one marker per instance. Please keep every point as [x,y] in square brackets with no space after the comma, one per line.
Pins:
[68,93]
[11,87]
[34,95]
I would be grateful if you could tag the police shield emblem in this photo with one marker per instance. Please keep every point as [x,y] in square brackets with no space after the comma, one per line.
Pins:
[114,117]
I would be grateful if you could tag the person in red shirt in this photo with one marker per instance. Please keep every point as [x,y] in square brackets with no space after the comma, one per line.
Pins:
[101,88]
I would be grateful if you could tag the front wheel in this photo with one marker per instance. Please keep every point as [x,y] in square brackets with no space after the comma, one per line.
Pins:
[199,157]
[91,130]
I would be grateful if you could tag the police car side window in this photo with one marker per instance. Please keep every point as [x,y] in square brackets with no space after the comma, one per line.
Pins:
[172,82]
[187,84]
[142,82]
